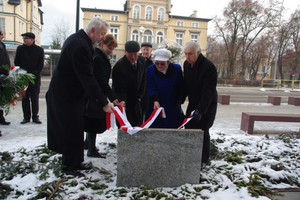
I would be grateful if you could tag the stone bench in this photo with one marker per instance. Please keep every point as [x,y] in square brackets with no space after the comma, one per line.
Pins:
[159,157]
[294,101]
[223,99]
[274,100]
[248,119]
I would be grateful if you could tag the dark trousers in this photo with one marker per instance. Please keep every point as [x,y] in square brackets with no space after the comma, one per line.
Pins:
[32,94]
[71,161]
[2,119]
[206,146]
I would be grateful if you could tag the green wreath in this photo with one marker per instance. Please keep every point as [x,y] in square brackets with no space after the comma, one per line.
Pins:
[12,86]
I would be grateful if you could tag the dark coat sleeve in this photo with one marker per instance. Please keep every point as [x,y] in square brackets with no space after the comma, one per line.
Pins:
[102,70]
[119,81]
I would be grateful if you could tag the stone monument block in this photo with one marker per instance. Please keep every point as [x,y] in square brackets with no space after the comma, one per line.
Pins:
[159,157]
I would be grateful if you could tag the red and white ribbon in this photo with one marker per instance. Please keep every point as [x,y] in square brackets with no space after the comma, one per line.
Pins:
[186,120]
[125,125]
[120,114]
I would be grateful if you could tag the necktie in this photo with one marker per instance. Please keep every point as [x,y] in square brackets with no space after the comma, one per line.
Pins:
[134,66]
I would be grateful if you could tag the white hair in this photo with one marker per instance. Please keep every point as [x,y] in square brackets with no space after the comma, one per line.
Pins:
[194,45]
[97,23]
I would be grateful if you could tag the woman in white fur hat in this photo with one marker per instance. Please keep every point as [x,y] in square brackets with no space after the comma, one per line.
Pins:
[164,87]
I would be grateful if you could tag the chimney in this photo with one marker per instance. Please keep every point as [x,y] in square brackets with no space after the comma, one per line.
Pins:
[195,13]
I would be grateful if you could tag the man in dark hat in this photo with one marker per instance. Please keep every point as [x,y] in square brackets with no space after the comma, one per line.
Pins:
[129,82]
[30,57]
[146,50]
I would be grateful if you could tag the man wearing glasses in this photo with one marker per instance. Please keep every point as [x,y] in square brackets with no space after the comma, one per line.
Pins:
[30,57]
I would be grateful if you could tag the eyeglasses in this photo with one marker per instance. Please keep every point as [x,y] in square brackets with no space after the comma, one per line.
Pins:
[162,64]
[1,34]
[25,38]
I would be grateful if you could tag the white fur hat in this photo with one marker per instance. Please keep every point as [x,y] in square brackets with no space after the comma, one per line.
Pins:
[162,54]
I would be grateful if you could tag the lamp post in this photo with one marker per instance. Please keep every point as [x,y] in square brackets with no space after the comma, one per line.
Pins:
[142,30]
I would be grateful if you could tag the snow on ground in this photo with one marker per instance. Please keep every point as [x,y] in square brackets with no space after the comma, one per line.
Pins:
[240,162]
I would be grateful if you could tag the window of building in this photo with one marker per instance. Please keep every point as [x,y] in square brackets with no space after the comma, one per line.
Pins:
[113,59]
[195,24]
[21,27]
[147,36]
[114,18]
[159,37]
[179,38]
[115,32]
[2,23]
[136,12]
[1,5]
[97,15]
[148,13]
[161,14]
[135,35]
[179,23]
[194,38]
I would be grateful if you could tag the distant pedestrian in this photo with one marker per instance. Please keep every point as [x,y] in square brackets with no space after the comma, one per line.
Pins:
[4,60]
[200,76]
[72,83]
[30,57]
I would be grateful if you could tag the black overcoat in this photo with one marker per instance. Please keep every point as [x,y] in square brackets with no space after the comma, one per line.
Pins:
[201,83]
[71,83]
[31,59]
[4,58]
[102,71]
[130,86]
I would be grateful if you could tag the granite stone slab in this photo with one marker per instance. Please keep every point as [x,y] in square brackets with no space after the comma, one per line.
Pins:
[159,157]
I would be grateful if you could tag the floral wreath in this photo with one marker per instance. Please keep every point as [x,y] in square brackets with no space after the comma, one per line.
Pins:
[13,86]
[174,47]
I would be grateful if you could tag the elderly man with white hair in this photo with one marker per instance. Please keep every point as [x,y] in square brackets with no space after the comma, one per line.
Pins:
[71,84]
[200,76]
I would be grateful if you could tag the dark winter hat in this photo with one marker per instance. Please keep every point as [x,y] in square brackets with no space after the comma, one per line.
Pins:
[29,34]
[132,46]
[146,44]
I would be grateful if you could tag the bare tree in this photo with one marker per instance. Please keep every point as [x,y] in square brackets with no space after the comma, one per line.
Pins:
[242,22]
[60,33]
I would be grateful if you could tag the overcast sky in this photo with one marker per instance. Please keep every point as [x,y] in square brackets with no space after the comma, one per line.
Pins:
[56,10]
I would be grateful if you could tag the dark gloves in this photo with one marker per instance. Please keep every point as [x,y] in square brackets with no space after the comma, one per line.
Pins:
[196,115]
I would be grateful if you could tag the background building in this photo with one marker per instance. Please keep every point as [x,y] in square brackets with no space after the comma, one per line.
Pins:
[17,17]
[150,21]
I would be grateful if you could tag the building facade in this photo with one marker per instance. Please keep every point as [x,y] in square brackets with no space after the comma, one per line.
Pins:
[150,21]
[20,16]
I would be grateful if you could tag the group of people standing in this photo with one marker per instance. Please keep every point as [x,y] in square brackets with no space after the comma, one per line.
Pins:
[30,58]
[79,94]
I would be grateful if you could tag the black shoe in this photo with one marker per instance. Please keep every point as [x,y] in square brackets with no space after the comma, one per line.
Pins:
[37,121]
[73,173]
[84,167]
[95,154]
[5,123]
[25,121]
[0,133]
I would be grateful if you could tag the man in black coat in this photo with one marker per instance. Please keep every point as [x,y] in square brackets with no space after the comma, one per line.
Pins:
[30,57]
[71,84]
[146,49]
[4,60]
[129,82]
[200,76]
